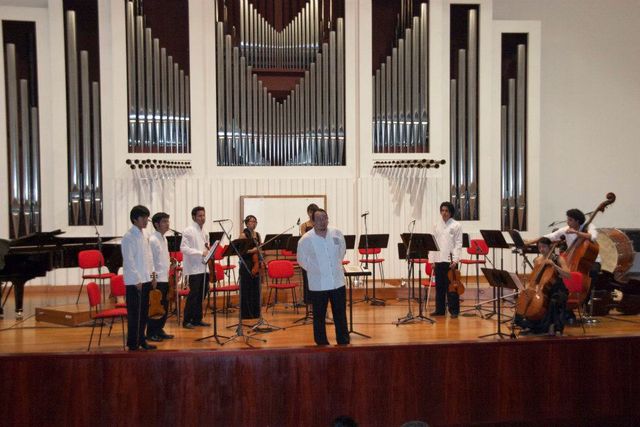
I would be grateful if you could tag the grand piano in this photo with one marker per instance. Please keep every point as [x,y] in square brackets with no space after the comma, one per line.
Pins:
[32,256]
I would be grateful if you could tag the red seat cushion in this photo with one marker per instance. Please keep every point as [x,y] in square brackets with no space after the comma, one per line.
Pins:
[229,288]
[283,285]
[98,276]
[183,292]
[472,261]
[228,267]
[372,261]
[121,305]
[419,260]
[112,312]
[345,262]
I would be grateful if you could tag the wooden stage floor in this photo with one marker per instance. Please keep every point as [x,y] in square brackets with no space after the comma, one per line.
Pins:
[30,336]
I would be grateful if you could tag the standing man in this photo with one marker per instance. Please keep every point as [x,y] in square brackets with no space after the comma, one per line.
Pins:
[160,252]
[320,253]
[137,266]
[448,234]
[194,248]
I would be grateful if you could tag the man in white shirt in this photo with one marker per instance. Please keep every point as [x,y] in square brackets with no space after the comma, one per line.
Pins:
[194,247]
[448,234]
[320,253]
[160,252]
[573,229]
[139,276]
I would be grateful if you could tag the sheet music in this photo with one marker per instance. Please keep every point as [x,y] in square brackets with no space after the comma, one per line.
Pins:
[212,250]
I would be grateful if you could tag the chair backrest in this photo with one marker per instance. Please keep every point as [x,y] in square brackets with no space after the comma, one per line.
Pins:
[574,284]
[219,272]
[478,247]
[93,292]
[177,256]
[217,255]
[370,251]
[117,286]
[280,269]
[91,258]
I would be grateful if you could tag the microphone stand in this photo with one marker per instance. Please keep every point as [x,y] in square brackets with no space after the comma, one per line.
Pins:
[262,325]
[409,317]
[239,332]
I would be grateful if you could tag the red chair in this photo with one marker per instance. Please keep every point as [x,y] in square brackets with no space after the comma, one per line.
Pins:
[93,292]
[118,289]
[280,272]
[476,247]
[289,254]
[431,283]
[88,260]
[218,286]
[371,257]
[228,268]
[574,286]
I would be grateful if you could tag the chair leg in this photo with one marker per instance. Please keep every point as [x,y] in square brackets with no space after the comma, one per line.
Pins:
[275,301]
[79,292]
[101,326]
[91,337]
[266,308]
[111,326]
[584,331]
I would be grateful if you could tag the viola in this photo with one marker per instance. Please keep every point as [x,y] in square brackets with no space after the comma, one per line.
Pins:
[156,309]
[455,280]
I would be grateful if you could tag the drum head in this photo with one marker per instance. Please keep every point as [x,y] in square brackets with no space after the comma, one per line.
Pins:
[616,251]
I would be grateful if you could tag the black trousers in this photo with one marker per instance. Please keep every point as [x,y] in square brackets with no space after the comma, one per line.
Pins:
[249,295]
[305,286]
[137,313]
[319,300]
[155,325]
[445,298]
[197,293]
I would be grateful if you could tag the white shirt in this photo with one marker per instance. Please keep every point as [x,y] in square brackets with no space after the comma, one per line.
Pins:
[322,258]
[448,235]
[137,263]
[160,252]
[193,243]
[570,238]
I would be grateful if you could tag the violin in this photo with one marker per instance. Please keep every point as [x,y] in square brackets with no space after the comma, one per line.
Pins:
[455,280]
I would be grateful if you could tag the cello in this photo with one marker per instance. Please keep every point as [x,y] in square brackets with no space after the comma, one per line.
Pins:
[583,252]
[533,301]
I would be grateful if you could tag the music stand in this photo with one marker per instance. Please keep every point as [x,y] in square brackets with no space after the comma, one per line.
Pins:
[215,235]
[174,242]
[419,245]
[495,240]
[349,272]
[499,279]
[276,242]
[368,242]
[521,249]
[350,240]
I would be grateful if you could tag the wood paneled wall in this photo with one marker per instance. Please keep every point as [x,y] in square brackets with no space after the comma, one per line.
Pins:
[585,381]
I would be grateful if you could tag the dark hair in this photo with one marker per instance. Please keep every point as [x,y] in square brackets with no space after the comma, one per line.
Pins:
[344,421]
[312,207]
[577,215]
[545,241]
[248,218]
[449,206]
[138,211]
[313,216]
[157,218]
[195,211]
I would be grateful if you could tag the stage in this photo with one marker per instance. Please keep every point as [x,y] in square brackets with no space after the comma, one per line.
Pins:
[441,373]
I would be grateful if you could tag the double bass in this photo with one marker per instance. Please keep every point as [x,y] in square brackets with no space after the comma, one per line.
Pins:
[583,252]
[533,301]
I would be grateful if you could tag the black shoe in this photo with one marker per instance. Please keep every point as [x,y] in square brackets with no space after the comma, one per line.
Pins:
[165,336]
[147,346]
[435,313]
[155,338]
[201,323]
[188,325]
[454,316]
[133,348]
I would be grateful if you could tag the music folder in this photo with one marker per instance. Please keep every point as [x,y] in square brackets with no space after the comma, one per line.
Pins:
[212,250]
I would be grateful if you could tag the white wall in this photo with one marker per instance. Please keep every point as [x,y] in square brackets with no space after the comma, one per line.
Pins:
[589,104]
[584,96]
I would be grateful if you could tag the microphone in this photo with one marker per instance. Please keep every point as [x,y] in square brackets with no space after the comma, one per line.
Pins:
[175,232]
[413,221]
[364,214]
[221,220]
[298,223]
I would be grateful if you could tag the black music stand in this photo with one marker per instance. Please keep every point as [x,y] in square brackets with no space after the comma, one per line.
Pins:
[350,272]
[276,242]
[215,235]
[521,249]
[368,242]
[495,240]
[419,245]
[499,279]
[350,240]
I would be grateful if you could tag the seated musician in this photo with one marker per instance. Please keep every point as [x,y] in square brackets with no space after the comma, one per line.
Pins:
[573,229]
[554,318]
